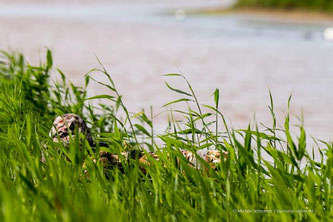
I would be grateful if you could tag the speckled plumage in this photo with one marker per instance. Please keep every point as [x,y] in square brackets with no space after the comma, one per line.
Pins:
[64,129]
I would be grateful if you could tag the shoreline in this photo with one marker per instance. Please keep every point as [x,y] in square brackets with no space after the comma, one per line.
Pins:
[294,15]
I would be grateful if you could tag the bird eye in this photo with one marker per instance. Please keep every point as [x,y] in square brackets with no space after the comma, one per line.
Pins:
[63,135]
[72,127]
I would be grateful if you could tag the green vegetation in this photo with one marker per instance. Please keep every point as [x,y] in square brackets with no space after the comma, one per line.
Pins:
[61,189]
[317,5]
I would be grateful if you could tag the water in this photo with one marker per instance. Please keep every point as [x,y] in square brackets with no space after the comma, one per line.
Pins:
[242,55]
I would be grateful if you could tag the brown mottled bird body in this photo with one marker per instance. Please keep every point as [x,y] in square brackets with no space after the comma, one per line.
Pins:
[64,129]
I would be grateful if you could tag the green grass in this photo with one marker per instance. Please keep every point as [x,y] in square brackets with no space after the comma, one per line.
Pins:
[313,5]
[62,190]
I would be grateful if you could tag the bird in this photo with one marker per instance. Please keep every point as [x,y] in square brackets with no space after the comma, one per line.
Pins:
[64,126]
[63,130]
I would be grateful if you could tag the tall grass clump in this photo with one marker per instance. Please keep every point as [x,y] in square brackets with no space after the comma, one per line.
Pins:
[316,5]
[268,175]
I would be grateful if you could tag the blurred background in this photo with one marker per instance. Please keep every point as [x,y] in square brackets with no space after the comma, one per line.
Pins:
[285,46]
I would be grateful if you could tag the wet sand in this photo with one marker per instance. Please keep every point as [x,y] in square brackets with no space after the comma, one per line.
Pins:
[240,55]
